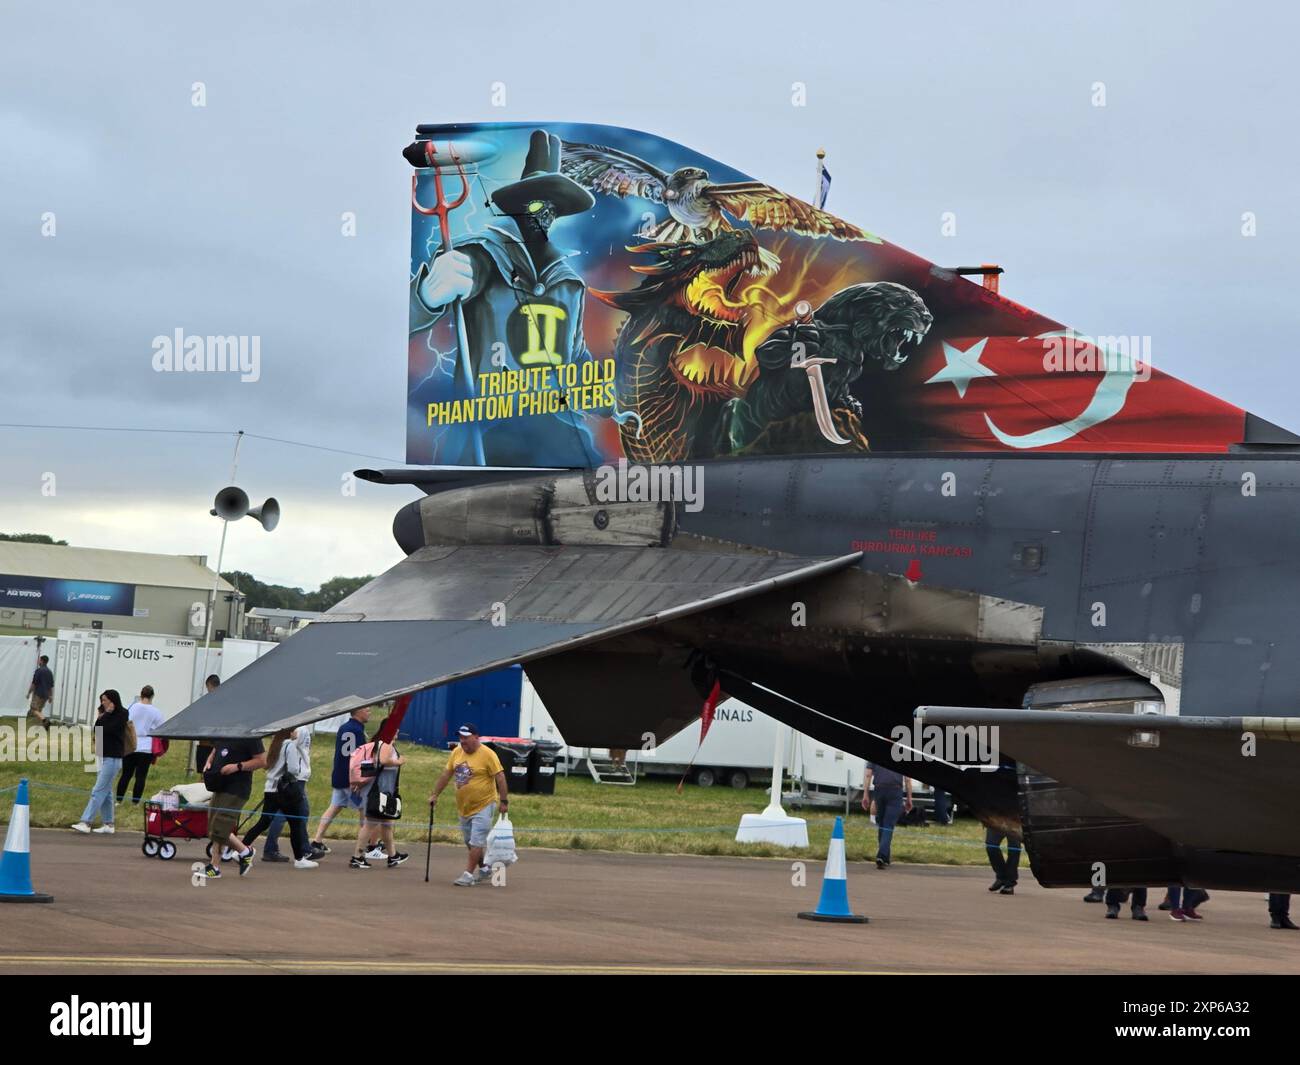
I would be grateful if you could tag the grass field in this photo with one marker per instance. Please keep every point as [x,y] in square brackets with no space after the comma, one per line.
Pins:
[651,817]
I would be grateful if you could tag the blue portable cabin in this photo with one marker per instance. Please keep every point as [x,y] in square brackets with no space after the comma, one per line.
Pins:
[491,701]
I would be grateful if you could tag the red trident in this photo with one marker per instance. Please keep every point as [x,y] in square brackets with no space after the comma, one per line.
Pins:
[442,208]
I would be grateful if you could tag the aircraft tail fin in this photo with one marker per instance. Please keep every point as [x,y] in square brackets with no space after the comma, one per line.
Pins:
[582,293]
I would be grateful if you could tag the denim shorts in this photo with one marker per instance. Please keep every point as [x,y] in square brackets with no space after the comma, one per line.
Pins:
[475,827]
[345,797]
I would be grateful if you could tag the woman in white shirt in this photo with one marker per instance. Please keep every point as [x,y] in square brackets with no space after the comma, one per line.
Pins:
[145,717]
[288,769]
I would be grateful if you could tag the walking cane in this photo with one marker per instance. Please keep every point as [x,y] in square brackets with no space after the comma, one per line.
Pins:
[428,845]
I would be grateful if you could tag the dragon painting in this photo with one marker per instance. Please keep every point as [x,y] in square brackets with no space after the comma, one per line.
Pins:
[693,382]
[681,351]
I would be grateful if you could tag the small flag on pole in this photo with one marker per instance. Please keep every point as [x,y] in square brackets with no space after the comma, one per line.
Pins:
[706,719]
[823,179]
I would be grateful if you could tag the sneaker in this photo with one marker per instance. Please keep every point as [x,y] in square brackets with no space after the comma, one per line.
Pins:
[881,863]
[397,859]
[483,874]
[212,872]
[1281,920]
[1139,914]
[1165,904]
[103,830]
[464,880]
[1008,889]
[1192,915]
[359,862]
[318,849]
[996,885]
[227,855]
[275,856]
[376,853]
[1112,913]
[81,827]
[246,861]
[1095,895]
[1177,915]
[302,863]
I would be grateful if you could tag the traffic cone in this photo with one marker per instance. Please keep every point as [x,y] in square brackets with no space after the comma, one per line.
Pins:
[834,903]
[15,861]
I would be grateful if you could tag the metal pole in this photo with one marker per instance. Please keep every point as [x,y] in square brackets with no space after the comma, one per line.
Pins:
[216,582]
[221,551]
[778,752]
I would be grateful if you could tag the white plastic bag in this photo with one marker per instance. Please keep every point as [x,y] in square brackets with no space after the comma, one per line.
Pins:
[501,843]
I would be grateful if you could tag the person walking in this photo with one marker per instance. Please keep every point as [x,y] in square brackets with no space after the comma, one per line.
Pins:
[301,758]
[891,799]
[942,807]
[377,820]
[1279,911]
[351,735]
[40,691]
[1006,871]
[1183,903]
[112,731]
[1116,897]
[145,717]
[228,775]
[284,795]
[479,780]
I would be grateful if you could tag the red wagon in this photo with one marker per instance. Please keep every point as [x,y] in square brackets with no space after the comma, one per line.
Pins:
[162,825]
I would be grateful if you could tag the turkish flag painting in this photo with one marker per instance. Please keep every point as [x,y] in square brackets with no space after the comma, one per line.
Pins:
[1059,391]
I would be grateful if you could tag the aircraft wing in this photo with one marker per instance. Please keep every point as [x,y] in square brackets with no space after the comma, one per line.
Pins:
[445,613]
[1205,785]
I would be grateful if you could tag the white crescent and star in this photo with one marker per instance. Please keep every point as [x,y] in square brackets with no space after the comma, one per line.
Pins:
[963,366]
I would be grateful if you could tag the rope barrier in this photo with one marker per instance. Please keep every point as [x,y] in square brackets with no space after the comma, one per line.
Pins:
[908,833]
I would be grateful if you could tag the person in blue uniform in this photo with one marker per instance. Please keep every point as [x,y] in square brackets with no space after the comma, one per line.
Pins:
[891,797]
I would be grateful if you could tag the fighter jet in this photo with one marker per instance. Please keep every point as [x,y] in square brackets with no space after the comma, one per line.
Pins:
[1016,534]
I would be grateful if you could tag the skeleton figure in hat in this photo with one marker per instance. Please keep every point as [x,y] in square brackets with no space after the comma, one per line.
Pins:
[522,302]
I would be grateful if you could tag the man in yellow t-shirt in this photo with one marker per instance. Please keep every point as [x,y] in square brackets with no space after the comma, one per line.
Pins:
[479,780]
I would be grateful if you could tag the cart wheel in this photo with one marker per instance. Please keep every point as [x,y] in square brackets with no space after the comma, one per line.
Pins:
[167,851]
[150,847]
[209,851]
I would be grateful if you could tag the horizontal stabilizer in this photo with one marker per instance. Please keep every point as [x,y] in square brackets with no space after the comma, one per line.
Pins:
[450,612]
[1164,784]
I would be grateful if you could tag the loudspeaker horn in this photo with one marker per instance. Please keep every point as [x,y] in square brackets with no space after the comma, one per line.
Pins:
[231,504]
[268,514]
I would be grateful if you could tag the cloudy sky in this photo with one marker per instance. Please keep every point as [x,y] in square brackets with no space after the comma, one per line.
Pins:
[226,219]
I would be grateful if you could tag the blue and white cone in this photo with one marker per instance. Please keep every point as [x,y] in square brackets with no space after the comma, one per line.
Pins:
[834,903]
[16,859]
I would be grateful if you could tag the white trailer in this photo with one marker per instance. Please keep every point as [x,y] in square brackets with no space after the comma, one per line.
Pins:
[737,751]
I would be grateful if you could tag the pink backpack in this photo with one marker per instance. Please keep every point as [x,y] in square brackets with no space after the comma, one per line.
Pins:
[363,764]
